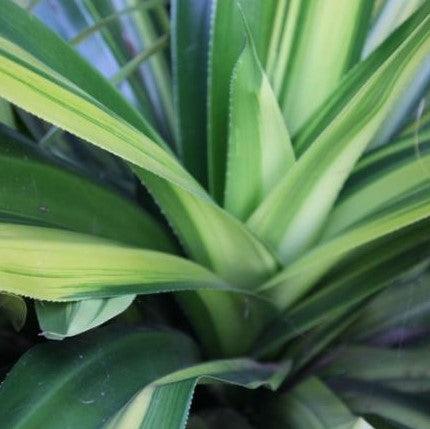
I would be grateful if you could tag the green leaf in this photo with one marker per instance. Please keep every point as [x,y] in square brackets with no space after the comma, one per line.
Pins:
[89,378]
[290,218]
[201,208]
[320,42]
[107,21]
[391,17]
[34,86]
[381,161]
[404,306]
[14,309]
[217,241]
[298,278]
[165,403]
[104,129]
[226,42]
[259,147]
[6,114]
[190,28]
[57,265]
[392,14]
[59,320]
[308,347]
[14,26]
[411,411]
[363,274]
[148,30]
[405,369]
[311,405]
[396,183]
[50,193]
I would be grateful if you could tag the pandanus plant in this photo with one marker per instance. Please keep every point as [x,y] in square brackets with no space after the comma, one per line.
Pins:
[264,164]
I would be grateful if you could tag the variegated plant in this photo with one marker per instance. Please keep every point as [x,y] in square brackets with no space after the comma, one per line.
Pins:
[266,163]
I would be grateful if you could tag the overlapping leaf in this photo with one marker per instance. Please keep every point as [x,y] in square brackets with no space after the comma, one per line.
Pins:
[144,410]
[291,217]
[227,37]
[57,265]
[320,42]
[311,405]
[259,147]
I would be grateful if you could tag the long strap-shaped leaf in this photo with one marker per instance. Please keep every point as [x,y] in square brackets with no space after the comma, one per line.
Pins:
[379,162]
[15,24]
[107,21]
[27,81]
[320,42]
[83,382]
[392,14]
[190,27]
[406,370]
[165,403]
[403,305]
[57,265]
[227,39]
[259,147]
[409,411]
[359,278]
[35,189]
[403,180]
[162,364]
[311,405]
[295,280]
[32,85]
[290,218]
[217,241]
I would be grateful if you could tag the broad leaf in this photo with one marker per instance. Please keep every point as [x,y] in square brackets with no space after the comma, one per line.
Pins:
[95,375]
[165,403]
[30,84]
[216,240]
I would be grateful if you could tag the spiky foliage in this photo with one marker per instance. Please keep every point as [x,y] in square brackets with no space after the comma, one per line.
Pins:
[263,163]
